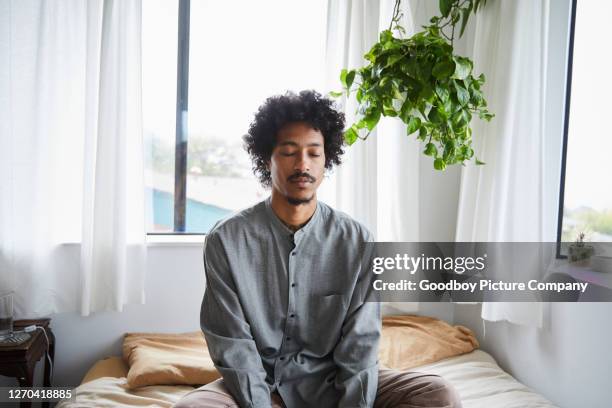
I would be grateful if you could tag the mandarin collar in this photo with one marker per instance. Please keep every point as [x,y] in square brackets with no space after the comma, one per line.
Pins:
[286,230]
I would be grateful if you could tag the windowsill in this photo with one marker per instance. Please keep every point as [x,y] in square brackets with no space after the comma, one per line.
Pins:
[175,239]
[165,240]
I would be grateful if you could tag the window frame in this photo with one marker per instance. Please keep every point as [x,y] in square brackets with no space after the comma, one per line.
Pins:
[568,96]
[182,111]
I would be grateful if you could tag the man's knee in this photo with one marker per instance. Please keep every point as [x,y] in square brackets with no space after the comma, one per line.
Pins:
[204,398]
[436,392]
[414,389]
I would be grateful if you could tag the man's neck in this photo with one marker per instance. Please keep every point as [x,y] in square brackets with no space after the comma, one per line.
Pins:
[293,216]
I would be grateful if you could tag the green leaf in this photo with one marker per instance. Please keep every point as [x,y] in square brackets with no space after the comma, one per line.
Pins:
[385,36]
[443,69]
[350,136]
[393,59]
[422,133]
[430,150]
[463,96]
[442,92]
[485,115]
[465,15]
[405,110]
[372,118]
[350,77]
[467,152]
[436,116]
[479,163]
[462,118]
[413,125]
[463,67]
[335,94]
[389,111]
[445,7]
[426,93]
[359,94]
[343,77]
[439,164]
[481,79]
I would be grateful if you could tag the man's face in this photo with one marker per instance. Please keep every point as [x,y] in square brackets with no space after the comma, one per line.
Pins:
[297,164]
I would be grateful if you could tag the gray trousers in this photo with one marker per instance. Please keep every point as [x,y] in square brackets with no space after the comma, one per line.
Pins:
[400,389]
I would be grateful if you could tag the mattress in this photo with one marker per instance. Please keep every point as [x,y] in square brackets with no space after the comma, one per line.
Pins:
[481,383]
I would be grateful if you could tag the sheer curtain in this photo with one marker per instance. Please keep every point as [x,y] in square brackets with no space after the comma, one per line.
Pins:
[506,200]
[377,181]
[71,156]
[378,177]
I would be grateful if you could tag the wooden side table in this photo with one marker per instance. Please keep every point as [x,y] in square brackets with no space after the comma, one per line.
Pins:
[19,361]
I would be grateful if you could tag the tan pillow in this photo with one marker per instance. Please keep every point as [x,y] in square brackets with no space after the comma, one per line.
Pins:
[411,341]
[109,367]
[170,359]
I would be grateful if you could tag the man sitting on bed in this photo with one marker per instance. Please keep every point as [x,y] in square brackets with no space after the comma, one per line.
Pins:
[284,314]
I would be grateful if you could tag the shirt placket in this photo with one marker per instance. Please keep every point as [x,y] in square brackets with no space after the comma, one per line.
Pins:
[288,345]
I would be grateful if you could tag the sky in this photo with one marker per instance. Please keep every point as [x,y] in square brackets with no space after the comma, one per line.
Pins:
[589,161]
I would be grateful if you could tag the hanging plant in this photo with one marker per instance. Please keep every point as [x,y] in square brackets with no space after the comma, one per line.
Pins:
[420,81]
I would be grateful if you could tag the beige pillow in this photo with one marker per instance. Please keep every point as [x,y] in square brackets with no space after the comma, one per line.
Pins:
[410,341]
[169,359]
[113,367]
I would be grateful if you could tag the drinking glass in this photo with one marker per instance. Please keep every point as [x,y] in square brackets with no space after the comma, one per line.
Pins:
[6,316]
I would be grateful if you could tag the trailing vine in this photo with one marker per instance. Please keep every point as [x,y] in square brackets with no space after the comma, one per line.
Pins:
[423,83]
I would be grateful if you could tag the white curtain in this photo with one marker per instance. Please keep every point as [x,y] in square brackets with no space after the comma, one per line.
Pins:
[506,200]
[378,177]
[71,155]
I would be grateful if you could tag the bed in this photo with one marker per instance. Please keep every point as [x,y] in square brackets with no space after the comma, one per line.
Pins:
[481,383]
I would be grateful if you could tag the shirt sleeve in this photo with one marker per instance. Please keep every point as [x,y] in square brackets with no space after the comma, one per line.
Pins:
[356,354]
[227,332]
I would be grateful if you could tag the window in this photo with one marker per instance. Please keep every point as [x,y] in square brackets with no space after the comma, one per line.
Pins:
[227,58]
[586,190]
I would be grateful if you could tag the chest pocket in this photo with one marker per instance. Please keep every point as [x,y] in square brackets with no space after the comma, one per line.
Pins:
[327,313]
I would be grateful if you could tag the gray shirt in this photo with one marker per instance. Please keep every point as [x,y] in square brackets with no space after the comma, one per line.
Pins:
[285,311]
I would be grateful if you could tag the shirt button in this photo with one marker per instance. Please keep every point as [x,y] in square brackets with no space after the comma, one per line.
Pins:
[292,315]
[280,384]
[293,253]
[293,285]
[282,358]
[288,338]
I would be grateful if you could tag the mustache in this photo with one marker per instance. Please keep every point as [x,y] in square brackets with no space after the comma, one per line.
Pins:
[301,175]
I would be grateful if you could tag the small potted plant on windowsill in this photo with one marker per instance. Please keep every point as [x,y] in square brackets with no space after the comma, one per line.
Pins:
[579,252]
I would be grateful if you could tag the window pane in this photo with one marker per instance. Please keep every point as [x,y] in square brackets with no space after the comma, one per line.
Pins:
[159,48]
[241,53]
[588,190]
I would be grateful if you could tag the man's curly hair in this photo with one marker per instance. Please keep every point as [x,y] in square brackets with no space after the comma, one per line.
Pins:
[277,111]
